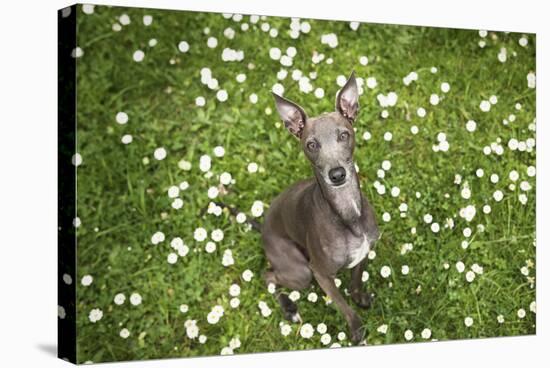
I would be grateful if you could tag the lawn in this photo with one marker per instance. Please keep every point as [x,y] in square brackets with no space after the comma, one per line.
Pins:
[446,156]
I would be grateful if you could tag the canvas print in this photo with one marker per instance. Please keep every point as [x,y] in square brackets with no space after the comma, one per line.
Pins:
[234,184]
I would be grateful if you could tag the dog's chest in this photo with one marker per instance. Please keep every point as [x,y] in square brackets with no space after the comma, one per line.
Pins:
[357,250]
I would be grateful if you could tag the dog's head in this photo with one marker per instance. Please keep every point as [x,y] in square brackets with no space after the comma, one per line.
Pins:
[327,140]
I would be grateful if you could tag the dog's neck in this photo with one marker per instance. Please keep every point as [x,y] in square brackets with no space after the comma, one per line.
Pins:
[345,201]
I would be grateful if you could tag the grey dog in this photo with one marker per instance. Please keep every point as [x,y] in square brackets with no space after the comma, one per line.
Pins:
[320,225]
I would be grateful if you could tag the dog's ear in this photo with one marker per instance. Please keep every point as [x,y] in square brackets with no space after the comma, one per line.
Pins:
[292,115]
[347,100]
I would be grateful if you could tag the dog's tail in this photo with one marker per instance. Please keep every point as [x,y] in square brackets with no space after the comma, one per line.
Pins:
[255,224]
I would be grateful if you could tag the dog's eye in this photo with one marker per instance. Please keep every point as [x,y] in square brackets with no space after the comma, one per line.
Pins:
[344,136]
[311,145]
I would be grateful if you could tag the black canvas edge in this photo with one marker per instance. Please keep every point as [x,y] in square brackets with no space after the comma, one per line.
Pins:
[66,183]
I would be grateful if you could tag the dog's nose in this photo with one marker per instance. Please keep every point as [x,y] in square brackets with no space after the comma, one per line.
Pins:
[337,175]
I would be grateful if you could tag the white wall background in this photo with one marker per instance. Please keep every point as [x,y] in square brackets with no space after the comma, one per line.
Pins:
[28,143]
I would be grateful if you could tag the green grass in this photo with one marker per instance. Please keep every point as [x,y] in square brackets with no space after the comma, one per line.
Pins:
[122,189]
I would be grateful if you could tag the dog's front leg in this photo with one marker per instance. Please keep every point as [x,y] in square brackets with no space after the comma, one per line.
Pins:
[326,283]
[360,297]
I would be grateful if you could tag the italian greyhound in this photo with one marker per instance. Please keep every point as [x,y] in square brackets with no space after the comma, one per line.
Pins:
[320,225]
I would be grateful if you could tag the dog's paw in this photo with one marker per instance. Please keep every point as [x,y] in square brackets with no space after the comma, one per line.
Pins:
[357,331]
[362,299]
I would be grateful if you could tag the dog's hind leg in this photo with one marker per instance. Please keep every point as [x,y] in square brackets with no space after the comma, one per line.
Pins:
[290,269]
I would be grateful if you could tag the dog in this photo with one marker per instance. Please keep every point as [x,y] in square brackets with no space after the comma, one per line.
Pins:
[320,225]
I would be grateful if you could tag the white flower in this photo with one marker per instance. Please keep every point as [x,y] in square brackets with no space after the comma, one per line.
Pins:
[124,333]
[312,297]
[364,276]
[252,167]
[426,333]
[363,60]
[325,339]
[205,163]
[264,309]
[147,20]
[135,299]
[121,117]
[275,53]
[306,331]
[525,186]
[330,39]
[385,271]
[234,302]
[319,92]
[191,329]
[61,312]
[88,8]
[321,328]
[138,56]
[533,306]
[76,160]
[521,313]
[460,266]
[445,87]
[405,270]
[247,275]
[371,82]
[213,317]
[414,129]
[386,217]
[408,335]
[160,153]
[500,318]
[183,46]
[434,99]
[531,80]
[87,280]
[241,217]
[184,308]
[498,195]
[172,258]
[341,336]
[285,329]
[382,329]
[222,95]
[421,112]
[226,351]
[435,227]
[253,98]
[471,126]
[157,237]
[257,208]
[67,279]
[202,339]
[240,77]
[235,343]
[227,259]
[173,191]
[294,295]
[95,315]
[485,106]
[212,42]
[217,235]
[470,276]
[200,234]
[210,247]
[486,209]
[468,321]
[428,218]
[234,290]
